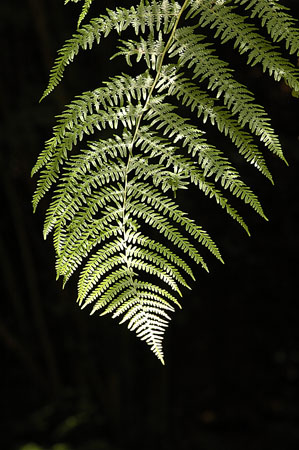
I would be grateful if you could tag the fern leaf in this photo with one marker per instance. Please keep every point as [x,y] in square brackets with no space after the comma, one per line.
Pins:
[164,226]
[119,154]
[126,116]
[118,20]
[236,97]
[210,159]
[162,203]
[191,96]
[279,24]
[85,9]
[169,155]
[229,26]
[75,121]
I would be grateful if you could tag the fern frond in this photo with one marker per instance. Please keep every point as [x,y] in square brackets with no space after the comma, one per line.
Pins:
[119,154]
[136,258]
[156,302]
[126,115]
[209,158]
[115,281]
[162,203]
[150,50]
[196,99]
[229,26]
[200,57]
[77,245]
[165,251]
[156,259]
[279,24]
[127,286]
[69,197]
[85,9]
[149,327]
[82,116]
[164,226]
[169,155]
[94,262]
[164,14]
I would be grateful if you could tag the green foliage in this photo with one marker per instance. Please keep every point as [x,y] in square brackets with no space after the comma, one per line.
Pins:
[33,446]
[113,190]
[85,9]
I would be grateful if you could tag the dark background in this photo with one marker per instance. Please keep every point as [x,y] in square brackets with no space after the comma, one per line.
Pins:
[232,354]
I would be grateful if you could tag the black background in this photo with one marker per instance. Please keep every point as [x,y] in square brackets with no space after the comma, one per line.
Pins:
[232,354]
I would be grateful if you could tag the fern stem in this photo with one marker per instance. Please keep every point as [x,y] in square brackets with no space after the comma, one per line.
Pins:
[138,122]
[159,67]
